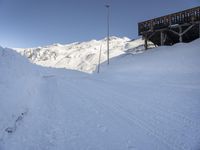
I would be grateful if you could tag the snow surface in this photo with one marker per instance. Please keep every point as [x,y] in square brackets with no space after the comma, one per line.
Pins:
[81,56]
[148,101]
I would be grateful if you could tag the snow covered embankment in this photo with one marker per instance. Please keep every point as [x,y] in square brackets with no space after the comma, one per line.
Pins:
[145,101]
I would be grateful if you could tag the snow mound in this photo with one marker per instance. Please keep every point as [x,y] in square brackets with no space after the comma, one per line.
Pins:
[81,56]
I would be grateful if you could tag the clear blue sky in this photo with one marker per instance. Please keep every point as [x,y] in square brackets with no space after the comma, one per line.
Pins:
[30,23]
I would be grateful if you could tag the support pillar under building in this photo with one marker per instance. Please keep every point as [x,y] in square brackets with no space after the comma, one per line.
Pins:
[180,35]
[162,38]
[145,42]
[199,29]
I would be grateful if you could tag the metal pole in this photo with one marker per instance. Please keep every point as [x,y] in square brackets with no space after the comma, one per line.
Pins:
[99,59]
[108,32]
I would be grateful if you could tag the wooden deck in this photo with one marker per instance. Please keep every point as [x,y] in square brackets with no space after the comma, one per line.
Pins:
[183,26]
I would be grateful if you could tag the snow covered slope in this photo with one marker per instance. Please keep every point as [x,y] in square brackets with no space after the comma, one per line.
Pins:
[139,102]
[80,56]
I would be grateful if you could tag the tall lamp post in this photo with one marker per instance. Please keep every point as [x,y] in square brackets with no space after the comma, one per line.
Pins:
[108,31]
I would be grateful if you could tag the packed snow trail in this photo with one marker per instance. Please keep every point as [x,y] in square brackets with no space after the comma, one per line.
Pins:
[139,102]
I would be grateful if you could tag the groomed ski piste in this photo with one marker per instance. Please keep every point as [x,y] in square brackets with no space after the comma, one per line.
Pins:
[148,101]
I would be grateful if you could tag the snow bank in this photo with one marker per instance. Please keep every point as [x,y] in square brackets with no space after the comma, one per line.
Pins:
[145,101]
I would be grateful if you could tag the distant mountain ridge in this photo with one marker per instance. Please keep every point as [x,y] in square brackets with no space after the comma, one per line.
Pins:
[80,56]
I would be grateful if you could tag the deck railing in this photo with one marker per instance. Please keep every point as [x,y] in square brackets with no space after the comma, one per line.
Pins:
[179,18]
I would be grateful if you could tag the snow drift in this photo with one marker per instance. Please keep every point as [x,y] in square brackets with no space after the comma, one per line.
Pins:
[145,101]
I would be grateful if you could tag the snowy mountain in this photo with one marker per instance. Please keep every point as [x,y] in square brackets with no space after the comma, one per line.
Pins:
[148,101]
[81,56]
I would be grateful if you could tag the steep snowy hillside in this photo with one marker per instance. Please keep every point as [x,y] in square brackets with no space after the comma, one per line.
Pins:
[81,56]
[148,101]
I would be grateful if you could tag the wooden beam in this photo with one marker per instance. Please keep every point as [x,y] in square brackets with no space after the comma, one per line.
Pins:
[151,35]
[174,32]
[190,27]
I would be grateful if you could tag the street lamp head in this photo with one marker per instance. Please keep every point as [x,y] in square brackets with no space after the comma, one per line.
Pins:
[107,6]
